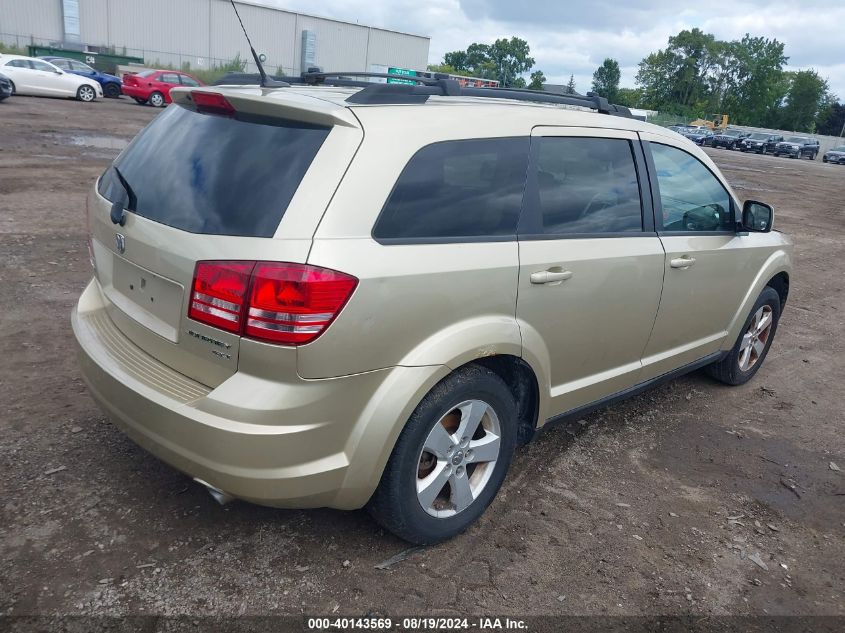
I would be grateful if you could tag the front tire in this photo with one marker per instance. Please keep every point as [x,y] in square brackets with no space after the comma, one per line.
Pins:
[450,459]
[86,93]
[112,91]
[752,346]
[157,100]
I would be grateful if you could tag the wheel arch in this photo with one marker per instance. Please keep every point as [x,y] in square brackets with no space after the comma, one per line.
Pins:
[380,425]
[774,272]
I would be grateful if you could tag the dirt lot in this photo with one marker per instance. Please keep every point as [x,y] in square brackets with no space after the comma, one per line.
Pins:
[657,505]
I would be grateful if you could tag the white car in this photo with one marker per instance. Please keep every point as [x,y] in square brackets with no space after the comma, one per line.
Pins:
[30,76]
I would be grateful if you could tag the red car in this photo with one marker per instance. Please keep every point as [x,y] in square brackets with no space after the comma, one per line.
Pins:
[153,86]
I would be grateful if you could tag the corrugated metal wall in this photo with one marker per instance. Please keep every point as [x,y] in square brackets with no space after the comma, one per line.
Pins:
[41,19]
[205,32]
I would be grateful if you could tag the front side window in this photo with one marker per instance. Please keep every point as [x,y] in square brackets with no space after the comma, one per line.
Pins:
[43,66]
[62,63]
[79,66]
[692,198]
[587,185]
[458,189]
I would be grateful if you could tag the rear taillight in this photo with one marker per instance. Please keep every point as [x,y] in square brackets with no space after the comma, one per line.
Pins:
[288,304]
[219,293]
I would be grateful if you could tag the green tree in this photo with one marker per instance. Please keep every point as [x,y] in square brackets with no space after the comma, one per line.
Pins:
[756,84]
[696,75]
[629,97]
[444,68]
[832,120]
[570,87]
[808,95]
[505,60]
[606,79]
[537,80]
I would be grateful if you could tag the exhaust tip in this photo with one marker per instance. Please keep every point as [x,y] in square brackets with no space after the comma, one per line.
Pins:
[218,495]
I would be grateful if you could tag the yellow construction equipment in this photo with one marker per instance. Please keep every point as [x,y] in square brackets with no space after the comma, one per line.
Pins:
[716,122]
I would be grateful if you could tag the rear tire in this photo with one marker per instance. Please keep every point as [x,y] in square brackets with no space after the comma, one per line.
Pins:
[13,86]
[157,100]
[112,91]
[426,496]
[752,346]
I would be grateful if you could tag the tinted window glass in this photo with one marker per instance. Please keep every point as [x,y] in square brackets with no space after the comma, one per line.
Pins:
[187,81]
[692,198]
[169,78]
[19,63]
[211,174]
[81,67]
[61,63]
[588,185]
[39,65]
[458,189]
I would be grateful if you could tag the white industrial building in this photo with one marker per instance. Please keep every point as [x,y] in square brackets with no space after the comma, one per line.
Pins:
[206,32]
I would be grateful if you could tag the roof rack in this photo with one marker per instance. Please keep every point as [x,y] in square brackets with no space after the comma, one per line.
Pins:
[424,87]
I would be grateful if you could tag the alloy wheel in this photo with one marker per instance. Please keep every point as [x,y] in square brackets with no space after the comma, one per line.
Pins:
[458,458]
[755,338]
[86,93]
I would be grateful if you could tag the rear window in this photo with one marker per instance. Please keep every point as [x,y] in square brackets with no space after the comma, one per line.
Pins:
[216,175]
[145,73]
[456,190]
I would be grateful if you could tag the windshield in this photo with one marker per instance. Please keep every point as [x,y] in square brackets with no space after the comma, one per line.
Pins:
[798,139]
[210,174]
[757,136]
[841,148]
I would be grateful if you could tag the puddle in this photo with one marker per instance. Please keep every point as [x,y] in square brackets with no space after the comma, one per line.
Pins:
[100,142]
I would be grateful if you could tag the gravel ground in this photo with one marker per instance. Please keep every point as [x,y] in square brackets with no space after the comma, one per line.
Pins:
[693,498]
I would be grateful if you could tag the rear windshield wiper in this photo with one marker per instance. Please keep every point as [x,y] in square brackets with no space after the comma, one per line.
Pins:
[118,216]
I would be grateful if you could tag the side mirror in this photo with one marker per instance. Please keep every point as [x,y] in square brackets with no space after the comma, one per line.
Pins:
[757,216]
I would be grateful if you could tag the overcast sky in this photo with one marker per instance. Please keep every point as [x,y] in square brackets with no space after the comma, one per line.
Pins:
[574,36]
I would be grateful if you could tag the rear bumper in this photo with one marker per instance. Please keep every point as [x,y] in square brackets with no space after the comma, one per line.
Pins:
[292,443]
[136,92]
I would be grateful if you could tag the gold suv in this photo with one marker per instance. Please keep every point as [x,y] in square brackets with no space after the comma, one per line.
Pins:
[369,296]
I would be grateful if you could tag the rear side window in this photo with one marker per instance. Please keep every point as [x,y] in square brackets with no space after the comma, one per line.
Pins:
[588,185]
[210,174]
[458,189]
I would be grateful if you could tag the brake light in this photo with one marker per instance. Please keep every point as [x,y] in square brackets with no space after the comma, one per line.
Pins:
[219,293]
[212,103]
[288,304]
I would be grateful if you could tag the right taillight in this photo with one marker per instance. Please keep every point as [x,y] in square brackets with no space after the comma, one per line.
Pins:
[287,304]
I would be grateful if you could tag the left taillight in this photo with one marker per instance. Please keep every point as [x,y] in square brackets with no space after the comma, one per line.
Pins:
[282,303]
[219,292]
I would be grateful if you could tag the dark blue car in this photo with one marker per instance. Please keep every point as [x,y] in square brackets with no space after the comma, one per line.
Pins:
[112,86]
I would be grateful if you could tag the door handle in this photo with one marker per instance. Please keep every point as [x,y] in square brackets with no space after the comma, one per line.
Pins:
[682,262]
[550,276]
